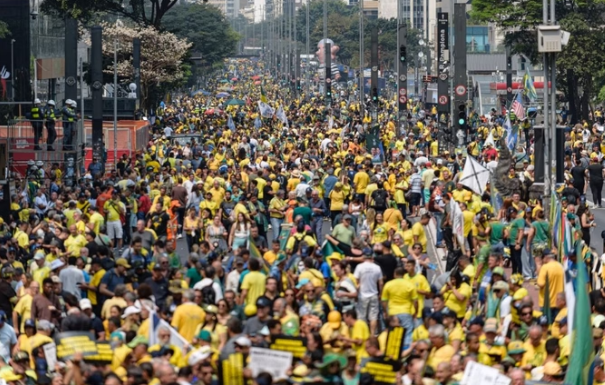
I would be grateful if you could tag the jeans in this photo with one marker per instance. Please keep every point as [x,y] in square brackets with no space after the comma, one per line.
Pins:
[276,227]
[407,322]
[37,126]
[52,133]
[438,218]
[68,131]
[317,227]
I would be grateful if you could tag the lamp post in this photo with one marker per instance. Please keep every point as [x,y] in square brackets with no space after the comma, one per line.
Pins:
[13,70]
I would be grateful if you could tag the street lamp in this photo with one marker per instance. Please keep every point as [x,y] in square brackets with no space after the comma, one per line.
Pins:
[12,70]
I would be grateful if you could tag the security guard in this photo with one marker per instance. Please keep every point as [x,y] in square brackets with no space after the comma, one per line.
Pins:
[35,117]
[69,128]
[50,121]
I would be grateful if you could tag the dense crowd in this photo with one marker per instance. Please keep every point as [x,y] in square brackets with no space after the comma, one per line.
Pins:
[261,229]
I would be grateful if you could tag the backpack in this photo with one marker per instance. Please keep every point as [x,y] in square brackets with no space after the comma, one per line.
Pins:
[208,295]
[380,198]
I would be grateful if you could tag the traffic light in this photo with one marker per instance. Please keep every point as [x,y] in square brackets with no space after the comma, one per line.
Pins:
[462,116]
[328,91]
[402,53]
[374,94]
[298,85]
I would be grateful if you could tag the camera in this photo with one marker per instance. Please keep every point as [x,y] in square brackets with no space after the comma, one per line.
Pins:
[34,14]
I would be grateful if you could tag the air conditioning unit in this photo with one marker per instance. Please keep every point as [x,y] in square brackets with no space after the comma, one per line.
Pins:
[549,38]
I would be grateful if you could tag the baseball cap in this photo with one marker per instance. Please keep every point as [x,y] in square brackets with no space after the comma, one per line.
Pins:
[491,325]
[85,304]
[334,319]
[553,369]
[446,312]
[199,355]
[347,217]
[500,285]
[516,347]
[130,310]
[157,266]
[243,341]
[367,252]
[498,270]
[138,340]
[39,255]
[122,262]
[57,263]
[205,335]
[29,323]
[263,302]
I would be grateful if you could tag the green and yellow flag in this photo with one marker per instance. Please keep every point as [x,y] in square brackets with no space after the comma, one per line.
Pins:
[328,250]
[263,96]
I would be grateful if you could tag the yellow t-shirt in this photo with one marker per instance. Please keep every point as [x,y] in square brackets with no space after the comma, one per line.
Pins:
[556,282]
[254,282]
[98,220]
[75,244]
[400,295]
[421,283]
[534,355]
[457,306]
[361,181]
[380,233]
[187,317]
[112,210]
[337,200]
[418,231]
[24,309]
[360,331]
[443,354]
[95,281]
[469,218]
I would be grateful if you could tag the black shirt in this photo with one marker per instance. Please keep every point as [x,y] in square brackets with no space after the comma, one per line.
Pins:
[595,171]
[388,264]
[577,173]
[159,222]
[159,290]
[6,293]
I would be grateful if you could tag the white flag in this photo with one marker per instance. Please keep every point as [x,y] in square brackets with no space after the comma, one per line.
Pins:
[281,115]
[457,223]
[154,327]
[265,110]
[474,175]
[331,123]
[490,140]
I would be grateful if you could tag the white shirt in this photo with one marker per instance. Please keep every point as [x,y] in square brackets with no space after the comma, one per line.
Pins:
[232,282]
[41,200]
[367,274]
[207,282]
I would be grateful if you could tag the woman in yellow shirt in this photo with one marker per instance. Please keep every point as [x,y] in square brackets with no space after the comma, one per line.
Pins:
[191,225]
[380,231]
[456,295]
[337,200]
[216,330]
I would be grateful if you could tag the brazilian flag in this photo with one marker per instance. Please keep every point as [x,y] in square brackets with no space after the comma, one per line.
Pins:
[328,250]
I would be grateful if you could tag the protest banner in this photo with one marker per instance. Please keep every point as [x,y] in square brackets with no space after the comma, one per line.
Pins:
[394,342]
[476,373]
[383,370]
[231,370]
[274,362]
[70,343]
[294,345]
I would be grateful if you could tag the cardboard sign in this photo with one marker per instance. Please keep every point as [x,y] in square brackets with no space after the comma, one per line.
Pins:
[274,362]
[294,345]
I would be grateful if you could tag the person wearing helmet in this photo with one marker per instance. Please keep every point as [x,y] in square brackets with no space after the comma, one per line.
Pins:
[35,118]
[50,120]
[69,118]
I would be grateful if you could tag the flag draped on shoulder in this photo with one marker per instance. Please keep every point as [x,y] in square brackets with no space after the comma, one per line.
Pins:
[328,250]
[457,223]
[265,110]
[511,134]
[281,115]
[230,123]
[155,324]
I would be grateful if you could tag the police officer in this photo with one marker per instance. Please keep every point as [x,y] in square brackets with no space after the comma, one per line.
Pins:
[35,117]
[69,118]
[50,121]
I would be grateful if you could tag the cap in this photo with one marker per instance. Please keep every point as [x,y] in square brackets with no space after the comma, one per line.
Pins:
[117,336]
[157,266]
[205,335]
[516,347]
[243,341]
[498,270]
[138,340]
[239,261]
[263,302]
[446,312]
[56,279]
[367,252]
[500,285]
[334,319]
[29,323]
[553,369]
[85,304]
[39,255]
[57,263]
[302,282]
[212,309]
[547,252]
[478,320]
[122,262]
[21,356]
[199,355]
[347,217]
[130,310]
[491,325]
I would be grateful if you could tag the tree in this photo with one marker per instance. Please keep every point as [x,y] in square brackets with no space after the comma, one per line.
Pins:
[206,27]
[162,55]
[4,31]
[583,19]
[142,12]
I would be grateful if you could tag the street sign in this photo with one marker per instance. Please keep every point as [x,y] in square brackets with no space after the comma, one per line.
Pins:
[443,77]
[403,99]
[443,100]
[403,78]
[403,91]
[374,68]
[460,90]
[509,89]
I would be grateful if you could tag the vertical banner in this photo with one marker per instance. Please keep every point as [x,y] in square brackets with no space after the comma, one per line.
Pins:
[443,63]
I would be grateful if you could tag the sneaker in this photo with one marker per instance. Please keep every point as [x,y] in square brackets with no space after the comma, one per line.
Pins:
[37,148]
[179,236]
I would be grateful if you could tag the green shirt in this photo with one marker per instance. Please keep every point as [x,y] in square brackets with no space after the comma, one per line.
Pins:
[516,226]
[305,212]
[194,276]
[541,233]
[344,234]
[497,233]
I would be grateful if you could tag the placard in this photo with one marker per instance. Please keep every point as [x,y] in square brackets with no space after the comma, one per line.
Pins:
[384,371]
[294,345]
[50,354]
[231,370]
[69,343]
[104,354]
[274,362]
[476,373]
[394,342]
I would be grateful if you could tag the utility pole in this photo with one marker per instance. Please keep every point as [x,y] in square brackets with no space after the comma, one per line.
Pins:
[402,71]
[374,73]
[361,62]
[460,78]
[444,69]
[308,66]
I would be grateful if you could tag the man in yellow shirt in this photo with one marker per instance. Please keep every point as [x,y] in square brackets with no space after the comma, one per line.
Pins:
[253,285]
[332,331]
[75,242]
[92,288]
[441,351]
[360,181]
[535,349]
[359,331]
[24,307]
[419,233]
[556,280]
[114,209]
[188,316]
[400,299]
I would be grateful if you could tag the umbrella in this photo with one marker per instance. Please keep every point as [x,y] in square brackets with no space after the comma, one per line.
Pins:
[213,111]
[255,77]
[203,92]
[236,102]
[222,94]
[257,82]
[233,79]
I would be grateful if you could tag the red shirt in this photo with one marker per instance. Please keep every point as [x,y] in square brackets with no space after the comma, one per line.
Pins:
[144,204]
[101,199]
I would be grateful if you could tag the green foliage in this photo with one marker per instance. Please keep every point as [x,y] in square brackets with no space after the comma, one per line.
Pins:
[206,27]
[4,31]
[142,12]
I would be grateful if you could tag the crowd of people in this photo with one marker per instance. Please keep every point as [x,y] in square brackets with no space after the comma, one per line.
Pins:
[270,228]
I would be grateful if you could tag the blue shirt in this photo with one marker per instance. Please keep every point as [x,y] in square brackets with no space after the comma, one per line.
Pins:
[329,183]
[111,279]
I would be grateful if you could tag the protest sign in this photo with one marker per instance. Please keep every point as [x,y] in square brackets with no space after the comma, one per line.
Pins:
[476,373]
[274,362]
[294,345]
[70,343]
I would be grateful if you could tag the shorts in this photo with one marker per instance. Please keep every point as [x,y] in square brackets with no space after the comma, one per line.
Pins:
[538,249]
[368,309]
[414,199]
[114,230]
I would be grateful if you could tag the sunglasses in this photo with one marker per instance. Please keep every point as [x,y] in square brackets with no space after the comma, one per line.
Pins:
[310,291]
[524,314]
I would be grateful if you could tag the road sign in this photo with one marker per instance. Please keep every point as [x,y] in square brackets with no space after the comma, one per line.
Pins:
[443,100]
[403,78]
[460,90]
[374,68]
[443,77]
[509,89]
[403,92]
[403,99]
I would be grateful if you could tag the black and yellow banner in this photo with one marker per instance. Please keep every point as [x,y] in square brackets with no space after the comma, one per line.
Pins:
[383,371]
[104,354]
[394,342]
[231,370]
[70,343]
[294,345]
